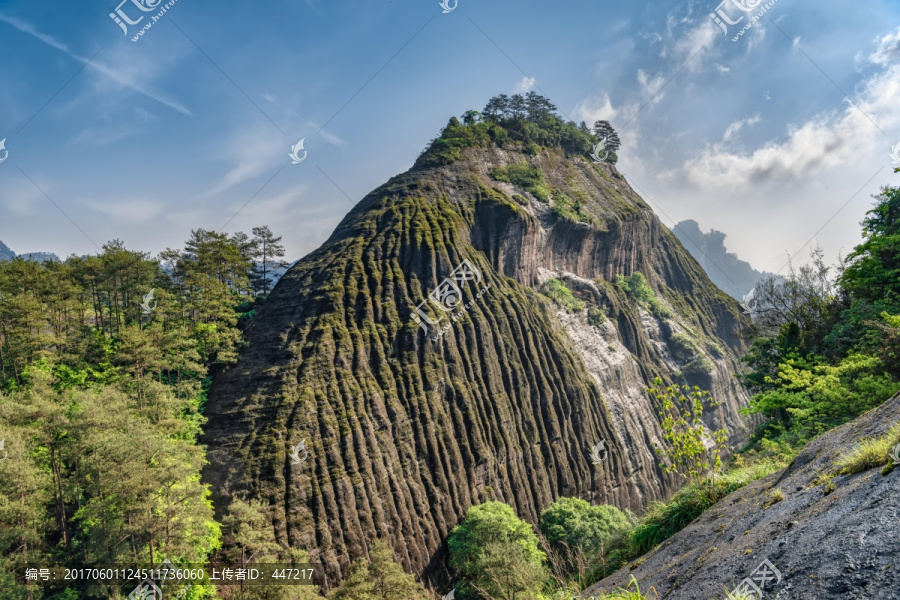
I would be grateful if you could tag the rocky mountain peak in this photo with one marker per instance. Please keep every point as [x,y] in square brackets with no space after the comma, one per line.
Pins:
[472,330]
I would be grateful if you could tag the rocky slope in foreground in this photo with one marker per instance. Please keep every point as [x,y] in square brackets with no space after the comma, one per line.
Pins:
[401,433]
[843,544]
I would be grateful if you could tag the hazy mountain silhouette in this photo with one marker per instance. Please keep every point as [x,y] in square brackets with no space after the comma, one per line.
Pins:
[734,276]
[7,254]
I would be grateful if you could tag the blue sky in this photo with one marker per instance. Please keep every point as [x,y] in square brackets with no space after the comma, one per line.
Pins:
[179,130]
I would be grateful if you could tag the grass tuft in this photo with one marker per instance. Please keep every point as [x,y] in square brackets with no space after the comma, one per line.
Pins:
[870,453]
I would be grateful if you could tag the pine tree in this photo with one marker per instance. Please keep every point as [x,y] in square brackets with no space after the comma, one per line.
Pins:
[603,130]
[268,251]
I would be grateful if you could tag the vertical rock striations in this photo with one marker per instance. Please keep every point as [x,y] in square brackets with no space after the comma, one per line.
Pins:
[404,433]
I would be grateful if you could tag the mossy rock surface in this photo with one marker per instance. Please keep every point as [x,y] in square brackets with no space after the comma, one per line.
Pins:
[405,433]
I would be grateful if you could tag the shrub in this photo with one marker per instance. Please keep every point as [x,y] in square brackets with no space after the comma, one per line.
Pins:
[378,577]
[529,178]
[595,316]
[499,174]
[699,366]
[566,208]
[809,396]
[683,347]
[557,291]
[572,524]
[692,452]
[637,288]
[493,552]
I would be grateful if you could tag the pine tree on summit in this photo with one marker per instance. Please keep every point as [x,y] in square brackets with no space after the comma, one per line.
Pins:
[603,130]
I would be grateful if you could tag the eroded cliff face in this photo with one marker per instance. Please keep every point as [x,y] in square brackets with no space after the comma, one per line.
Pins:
[403,433]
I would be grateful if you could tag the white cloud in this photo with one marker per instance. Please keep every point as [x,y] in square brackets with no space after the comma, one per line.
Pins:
[526,84]
[595,109]
[823,142]
[650,86]
[888,50]
[695,44]
[736,126]
[723,69]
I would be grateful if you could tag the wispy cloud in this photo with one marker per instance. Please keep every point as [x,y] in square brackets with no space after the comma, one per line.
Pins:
[736,126]
[123,78]
[526,84]
[329,137]
[251,152]
[888,50]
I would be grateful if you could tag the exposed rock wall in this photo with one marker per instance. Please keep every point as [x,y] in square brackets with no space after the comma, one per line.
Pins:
[403,433]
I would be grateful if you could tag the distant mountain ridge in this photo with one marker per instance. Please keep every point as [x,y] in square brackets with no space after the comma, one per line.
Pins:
[7,254]
[732,275]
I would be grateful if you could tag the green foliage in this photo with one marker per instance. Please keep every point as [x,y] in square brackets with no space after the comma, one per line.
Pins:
[808,396]
[500,174]
[573,525]
[697,367]
[827,355]
[595,316]
[101,402]
[873,270]
[496,555]
[692,452]
[446,149]
[637,288]
[566,208]
[526,176]
[870,453]
[379,578]
[529,121]
[683,347]
[662,520]
[557,291]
